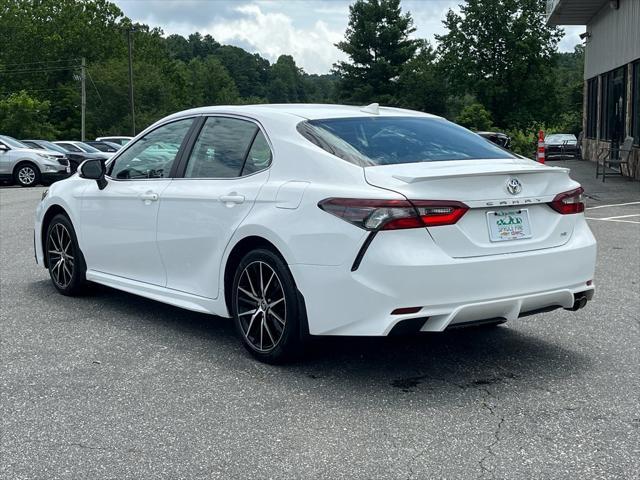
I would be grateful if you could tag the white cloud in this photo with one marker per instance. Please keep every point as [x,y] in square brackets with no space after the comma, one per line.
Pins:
[305,29]
[571,38]
[274,34]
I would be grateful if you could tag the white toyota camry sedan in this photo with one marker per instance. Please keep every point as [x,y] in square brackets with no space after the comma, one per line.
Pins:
[301,220]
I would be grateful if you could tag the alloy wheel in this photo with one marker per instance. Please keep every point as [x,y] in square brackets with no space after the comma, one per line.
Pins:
[27,175]
[261,306]
[61,259]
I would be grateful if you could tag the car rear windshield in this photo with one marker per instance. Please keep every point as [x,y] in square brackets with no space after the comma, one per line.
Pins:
[560,137]
[371,141]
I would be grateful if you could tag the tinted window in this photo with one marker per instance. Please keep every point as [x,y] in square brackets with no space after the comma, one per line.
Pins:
[70,147]
[87,148]
[31,144]
[220,149]
[635,91]
[152,155]
[391,140]
[52,146]
[592,108]
[259,155]
[103,147]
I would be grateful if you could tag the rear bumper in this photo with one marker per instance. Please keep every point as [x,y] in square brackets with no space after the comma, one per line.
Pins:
[411,272]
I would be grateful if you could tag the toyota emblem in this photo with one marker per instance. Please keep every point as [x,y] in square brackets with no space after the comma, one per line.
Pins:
[514,186]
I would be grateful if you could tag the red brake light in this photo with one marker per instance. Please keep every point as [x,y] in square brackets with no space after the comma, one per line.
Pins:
[569,202]
[437,212]
[394,214]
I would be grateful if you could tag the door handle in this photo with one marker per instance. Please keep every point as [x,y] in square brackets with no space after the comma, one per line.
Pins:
[232,199]
[149,197]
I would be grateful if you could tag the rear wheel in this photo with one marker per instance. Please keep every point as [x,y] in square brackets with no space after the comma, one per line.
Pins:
[266,309]
[64,258]
[26,175]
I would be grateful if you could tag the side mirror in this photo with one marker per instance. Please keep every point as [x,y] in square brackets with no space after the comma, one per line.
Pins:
[4,148]
[93,169]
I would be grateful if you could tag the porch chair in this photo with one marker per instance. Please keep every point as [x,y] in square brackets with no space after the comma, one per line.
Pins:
[616,156]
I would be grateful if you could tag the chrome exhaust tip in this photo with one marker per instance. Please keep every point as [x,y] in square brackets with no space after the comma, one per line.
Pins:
[579,302]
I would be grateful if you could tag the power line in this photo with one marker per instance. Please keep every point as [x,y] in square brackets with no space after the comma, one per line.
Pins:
[94,85]
[20,64]
[28,90]
[38,70]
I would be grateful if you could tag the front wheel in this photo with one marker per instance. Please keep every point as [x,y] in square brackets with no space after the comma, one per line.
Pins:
[266,309]
[64,259]
[27,175]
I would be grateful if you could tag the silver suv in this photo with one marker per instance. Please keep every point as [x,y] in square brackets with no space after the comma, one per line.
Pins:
[27,166]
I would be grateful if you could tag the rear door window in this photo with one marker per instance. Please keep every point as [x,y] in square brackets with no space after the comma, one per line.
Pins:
[221,148]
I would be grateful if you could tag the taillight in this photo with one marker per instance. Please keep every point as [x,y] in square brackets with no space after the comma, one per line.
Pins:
[437,212]
[569,202]
[394,214]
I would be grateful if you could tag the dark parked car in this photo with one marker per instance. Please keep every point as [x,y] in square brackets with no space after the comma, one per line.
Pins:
[104,146]
[561,145]
[499,138]
[75,158]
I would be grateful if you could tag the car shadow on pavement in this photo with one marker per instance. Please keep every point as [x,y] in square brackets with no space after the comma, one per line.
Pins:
[438,365]
[451,361]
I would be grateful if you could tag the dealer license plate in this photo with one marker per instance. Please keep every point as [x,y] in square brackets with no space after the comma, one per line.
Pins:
[508,225]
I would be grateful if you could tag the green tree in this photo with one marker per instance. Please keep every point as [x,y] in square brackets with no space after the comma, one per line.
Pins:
[320,88]
[568,85]
[249,71]
[22,116]
[420,86]
[285,81]
[475,117]
[378,45]
[211,83]
[501,51]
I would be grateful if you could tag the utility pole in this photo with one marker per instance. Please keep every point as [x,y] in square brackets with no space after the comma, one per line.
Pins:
[83,76]
[133,111]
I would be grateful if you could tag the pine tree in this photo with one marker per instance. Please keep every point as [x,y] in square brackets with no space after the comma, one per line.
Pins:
[378,45]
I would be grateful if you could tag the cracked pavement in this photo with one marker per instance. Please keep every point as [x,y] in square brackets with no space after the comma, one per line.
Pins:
[112,386]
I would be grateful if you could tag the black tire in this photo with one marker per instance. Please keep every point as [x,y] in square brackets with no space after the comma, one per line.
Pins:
[259,338]
[65,261]
[26,174]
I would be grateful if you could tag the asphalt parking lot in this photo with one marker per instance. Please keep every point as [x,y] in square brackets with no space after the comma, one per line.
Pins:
[114,386]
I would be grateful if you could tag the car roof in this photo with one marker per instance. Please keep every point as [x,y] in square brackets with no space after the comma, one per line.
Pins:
[308,111]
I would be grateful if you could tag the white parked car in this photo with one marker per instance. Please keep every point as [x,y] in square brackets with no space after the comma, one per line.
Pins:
[119,139]
[321,220]
[81,147]
[27,166]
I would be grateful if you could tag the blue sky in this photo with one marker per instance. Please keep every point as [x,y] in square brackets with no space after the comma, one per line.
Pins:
[305,29]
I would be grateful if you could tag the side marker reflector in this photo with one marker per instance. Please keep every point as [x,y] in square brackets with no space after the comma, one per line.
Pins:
[406,310]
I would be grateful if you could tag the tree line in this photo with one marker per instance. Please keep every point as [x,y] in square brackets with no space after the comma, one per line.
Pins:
[496,67]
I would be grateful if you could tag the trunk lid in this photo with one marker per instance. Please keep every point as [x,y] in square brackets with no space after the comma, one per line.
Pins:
[482,185]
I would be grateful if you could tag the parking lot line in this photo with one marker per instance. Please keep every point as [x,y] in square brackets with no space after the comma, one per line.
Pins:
[611,219]
[622,216]
[613,205]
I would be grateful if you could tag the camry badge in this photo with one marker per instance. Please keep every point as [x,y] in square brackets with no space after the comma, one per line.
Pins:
[514,186]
